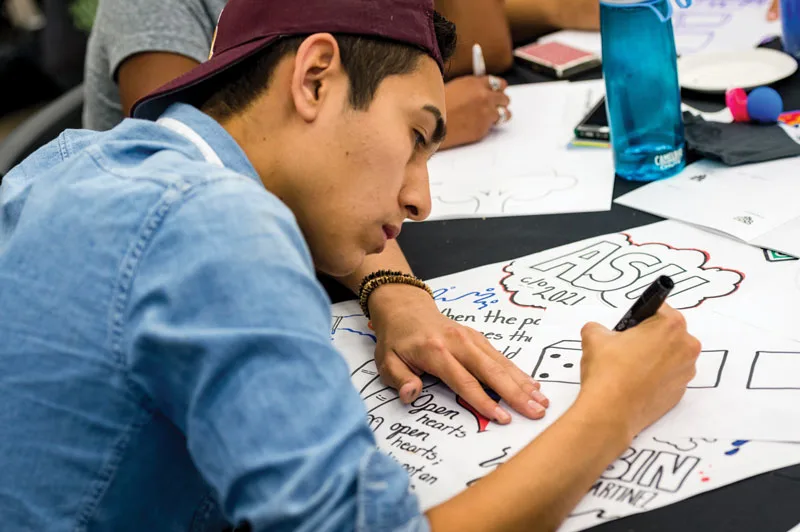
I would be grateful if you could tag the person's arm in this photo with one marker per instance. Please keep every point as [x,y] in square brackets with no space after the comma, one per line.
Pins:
[532,18]
[538,487]
[144,72]
[413,337]
[226,332]
[478,21]
[628,381]
[151,42]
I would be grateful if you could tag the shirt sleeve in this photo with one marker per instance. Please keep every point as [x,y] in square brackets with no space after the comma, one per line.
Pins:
[228,334]
[129,27]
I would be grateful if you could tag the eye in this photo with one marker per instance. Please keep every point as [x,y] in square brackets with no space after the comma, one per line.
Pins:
[419,140]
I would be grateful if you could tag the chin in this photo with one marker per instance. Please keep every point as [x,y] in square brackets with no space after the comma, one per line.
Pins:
[341,266]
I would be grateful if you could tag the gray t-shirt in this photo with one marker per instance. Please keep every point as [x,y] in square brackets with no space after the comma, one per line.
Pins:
[124,28]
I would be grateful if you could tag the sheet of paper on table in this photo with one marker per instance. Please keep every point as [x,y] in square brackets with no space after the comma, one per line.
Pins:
[756,203]
[524,167]
[445,446]
[748,380]
[720,284]
[706,26]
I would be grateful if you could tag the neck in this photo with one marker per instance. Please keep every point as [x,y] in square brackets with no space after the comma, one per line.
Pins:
[260,144]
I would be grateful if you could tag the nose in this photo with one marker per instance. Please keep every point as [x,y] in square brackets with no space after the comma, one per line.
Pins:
[415,196]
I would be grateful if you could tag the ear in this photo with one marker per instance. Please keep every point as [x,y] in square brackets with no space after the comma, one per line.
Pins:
[317,66]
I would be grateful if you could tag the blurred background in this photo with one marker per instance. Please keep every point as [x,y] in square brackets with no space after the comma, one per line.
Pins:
[42,47]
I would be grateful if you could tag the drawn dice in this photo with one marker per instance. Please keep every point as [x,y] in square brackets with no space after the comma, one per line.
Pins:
[560,362]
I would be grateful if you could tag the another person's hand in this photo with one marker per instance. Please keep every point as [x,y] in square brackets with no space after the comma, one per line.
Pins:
[415,338]
[639,374]
[474,105]
[774,10]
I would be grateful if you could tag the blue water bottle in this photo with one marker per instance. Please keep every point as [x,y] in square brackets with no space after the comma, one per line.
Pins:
[790,18]
[643,97]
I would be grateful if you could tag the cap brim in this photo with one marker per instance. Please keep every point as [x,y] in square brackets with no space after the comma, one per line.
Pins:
[194,87]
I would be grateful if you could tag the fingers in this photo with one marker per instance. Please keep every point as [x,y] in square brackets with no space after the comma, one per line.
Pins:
[396,373]
[496,99]
[527,383]
[464,384]
[592,333]
[499,102]
[496,84]
[673,325]
[494,372]
[503,115]
[669,313]
[499,99]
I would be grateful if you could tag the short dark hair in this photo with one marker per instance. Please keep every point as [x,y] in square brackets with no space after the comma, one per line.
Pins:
[366,60]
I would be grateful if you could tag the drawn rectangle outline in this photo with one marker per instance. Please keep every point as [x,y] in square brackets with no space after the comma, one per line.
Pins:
[753,370]
[719,372]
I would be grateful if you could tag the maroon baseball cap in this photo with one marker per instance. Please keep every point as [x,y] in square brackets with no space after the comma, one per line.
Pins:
[247,26]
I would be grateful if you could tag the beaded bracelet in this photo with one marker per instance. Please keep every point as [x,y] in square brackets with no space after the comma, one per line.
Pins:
[382,277]
[375,275]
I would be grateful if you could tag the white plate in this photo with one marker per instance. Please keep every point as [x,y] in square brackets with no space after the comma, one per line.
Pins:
[718,72]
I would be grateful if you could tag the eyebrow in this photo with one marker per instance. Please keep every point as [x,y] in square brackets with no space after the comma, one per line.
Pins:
[441,128]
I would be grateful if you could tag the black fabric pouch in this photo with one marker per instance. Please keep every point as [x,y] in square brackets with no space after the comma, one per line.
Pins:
[741,143]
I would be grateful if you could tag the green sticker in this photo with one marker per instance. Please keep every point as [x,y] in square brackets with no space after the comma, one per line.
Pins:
[776,256]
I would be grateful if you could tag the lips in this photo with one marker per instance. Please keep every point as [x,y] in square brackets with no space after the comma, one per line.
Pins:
[390,231]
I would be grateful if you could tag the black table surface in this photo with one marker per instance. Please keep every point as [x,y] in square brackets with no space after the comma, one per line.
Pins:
[765,503]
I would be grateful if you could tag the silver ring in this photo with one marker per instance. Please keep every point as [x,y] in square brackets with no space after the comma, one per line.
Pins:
[495,84]
[502,115]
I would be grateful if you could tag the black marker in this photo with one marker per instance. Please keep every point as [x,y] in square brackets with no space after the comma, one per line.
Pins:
[647,304]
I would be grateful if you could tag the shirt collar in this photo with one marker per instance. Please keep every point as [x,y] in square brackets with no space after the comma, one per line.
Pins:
[231,154]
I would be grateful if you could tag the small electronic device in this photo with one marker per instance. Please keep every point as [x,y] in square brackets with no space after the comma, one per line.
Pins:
[556,59]
[594,125]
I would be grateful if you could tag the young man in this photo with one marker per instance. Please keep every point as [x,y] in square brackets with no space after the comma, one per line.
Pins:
[139,45]
[165,341]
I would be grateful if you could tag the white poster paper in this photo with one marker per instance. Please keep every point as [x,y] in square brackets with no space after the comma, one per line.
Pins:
[445,446]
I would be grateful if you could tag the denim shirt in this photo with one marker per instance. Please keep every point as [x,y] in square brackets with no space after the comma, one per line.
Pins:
[165,361]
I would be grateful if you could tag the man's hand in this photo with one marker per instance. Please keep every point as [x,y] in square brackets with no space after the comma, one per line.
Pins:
[415,338]
[638,375]
[774,11]
[473,107]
